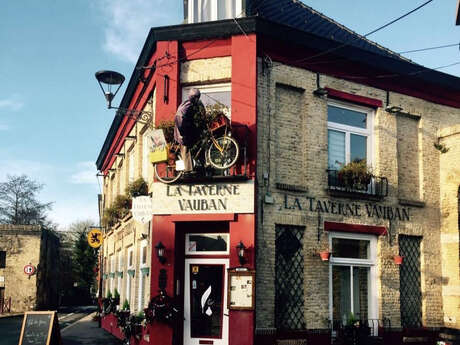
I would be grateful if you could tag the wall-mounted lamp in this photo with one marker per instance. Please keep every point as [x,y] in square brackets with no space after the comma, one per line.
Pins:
[393,109]
[111,79]
[240,249]
[320,91]
[161,252]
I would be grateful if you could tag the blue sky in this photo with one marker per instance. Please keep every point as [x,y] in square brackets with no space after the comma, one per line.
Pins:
[53,120]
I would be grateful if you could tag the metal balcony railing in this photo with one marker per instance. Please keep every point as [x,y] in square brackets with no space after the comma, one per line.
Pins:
[376,188]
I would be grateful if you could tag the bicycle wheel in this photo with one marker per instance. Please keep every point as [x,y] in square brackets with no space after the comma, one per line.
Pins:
[166,172]
[224,153]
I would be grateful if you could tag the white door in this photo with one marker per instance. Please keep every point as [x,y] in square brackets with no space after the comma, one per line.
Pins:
[205,302]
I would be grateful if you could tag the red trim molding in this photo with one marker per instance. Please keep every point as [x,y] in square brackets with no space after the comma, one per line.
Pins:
[364,229]
[205,217]
[349,97]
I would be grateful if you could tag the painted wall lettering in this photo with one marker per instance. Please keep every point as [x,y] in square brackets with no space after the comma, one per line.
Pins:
[371,210]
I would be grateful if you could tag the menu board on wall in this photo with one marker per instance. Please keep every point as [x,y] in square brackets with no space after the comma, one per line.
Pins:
[241,288]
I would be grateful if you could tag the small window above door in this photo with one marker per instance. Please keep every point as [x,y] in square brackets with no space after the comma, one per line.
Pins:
[207,244]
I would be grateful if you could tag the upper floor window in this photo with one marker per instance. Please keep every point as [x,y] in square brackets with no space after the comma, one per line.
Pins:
[212,94]
[349,135]
[209,10]
[2,259]
[131,166]
[130,257]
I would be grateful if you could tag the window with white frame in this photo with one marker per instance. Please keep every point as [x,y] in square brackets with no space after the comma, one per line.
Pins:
[122,175]
[352,277]
[142,277]
[349,134]
[131,166]
[145,155]
[130,266]
[210,10]
[213,94]
[112,271]
[120,270]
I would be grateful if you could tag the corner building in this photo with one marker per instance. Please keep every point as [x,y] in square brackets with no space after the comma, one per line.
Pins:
[303,106]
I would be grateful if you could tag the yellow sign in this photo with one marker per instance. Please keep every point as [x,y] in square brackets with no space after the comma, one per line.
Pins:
[95,238]
[195,269]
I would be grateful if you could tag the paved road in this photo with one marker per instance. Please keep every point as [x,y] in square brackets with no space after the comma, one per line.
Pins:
[10,327]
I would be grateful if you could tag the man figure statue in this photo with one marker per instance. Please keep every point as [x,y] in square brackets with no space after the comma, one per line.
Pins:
[186,131]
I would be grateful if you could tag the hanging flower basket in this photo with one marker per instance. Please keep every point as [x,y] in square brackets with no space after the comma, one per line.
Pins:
[398,260]
[324,255]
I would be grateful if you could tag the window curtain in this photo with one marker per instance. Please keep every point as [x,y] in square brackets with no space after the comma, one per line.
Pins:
[336,146]
[202,10]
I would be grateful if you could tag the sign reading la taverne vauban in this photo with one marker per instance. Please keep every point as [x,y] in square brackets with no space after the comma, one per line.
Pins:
[203,198]
[353,209]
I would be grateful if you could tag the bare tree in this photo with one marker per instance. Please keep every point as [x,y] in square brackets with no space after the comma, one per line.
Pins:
[19,202]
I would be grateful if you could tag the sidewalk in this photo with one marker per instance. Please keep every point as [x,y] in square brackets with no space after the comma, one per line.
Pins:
[87,332]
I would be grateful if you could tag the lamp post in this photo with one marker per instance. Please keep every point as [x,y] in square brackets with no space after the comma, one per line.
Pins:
[109,80]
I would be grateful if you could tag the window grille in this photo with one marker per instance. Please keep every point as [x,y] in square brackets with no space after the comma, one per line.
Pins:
[289,301]
[410,282]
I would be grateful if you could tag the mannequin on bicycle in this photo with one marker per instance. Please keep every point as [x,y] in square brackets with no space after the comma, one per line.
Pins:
[187,132]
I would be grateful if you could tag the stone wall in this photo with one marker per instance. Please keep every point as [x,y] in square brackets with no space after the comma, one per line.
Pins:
[22,246]
[292,163]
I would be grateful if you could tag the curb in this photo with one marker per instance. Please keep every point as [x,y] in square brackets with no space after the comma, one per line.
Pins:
[10,315]
[88,317]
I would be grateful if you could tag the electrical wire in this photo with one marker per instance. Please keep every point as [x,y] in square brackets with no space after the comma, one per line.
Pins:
[430,48]
[364,36]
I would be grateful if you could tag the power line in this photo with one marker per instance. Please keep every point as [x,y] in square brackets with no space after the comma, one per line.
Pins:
[364,36]
[430,48]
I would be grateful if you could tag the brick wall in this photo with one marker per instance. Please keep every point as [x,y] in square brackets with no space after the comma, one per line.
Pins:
[403,151]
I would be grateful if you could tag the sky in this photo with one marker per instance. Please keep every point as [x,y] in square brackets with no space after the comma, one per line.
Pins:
[53,117]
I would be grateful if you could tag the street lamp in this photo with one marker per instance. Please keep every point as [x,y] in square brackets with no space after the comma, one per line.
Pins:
[112,79]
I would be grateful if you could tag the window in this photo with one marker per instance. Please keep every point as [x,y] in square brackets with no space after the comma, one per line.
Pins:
[131,166]
[207,244]
[2,259]
[212,94]
[130,257]
[112,272]
[208,10]
[120,269]
[145,155]
[122,176]
[142,276]
[352,273]
[349,135]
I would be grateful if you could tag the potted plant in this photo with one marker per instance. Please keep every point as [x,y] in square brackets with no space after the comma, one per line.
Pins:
[355,175]
[137,188]
[122,204]
[398,260]
[324,255]
[110,217]
[116,297]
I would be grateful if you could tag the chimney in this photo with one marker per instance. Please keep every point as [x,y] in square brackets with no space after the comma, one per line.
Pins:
[198,11]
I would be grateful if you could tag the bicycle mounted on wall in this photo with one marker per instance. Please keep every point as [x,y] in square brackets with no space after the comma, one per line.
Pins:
[217,149]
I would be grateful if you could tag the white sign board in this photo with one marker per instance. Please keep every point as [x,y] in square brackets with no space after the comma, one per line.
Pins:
[142,209]
[203,198]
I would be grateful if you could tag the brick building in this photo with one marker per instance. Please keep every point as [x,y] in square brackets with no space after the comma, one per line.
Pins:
[29,245]
[307,97]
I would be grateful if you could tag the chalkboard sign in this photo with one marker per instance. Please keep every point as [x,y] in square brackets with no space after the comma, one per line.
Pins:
[40,328]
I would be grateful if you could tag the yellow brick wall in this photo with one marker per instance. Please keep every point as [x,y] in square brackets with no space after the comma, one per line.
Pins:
[280,91]
[22,245]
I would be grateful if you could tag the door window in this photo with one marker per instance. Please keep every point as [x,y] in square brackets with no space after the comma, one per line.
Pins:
[352,287]
[207,244]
